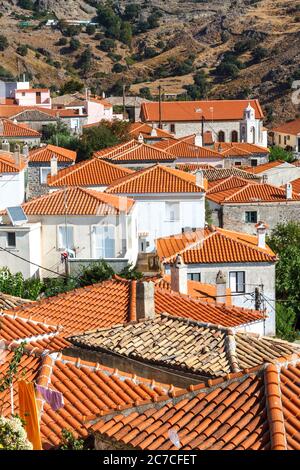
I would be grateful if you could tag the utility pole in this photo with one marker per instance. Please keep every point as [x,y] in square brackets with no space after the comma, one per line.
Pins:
[258,301]
[202,129]
[159,107]
[124,100]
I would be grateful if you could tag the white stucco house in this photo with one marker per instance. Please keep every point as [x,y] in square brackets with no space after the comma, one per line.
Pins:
[167,200]
[225,120]
[12,179]
[87,225]
[247,265]
[276,173]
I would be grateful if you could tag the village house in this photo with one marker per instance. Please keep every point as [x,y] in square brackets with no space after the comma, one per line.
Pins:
[242,154]
[240,205]
[90,174]
[167,200]
[95,108]
[287,136]
[12,179]
[148,134]
[42,162]
[86,225]
[277,172]
[21,94]
[225,259]
[11,133]
[227,120]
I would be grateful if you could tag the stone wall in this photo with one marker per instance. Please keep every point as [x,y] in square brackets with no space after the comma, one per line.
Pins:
[270,213]
[34,188]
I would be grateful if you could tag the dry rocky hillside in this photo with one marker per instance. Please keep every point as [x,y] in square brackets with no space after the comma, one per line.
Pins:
[184,37]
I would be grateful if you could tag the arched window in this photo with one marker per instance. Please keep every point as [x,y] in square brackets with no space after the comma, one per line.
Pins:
[234,136]
[252,130]
[221,136]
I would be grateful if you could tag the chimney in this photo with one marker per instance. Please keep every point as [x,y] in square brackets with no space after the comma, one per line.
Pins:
[17,155]
[6,146]
[153,132]
[179,276]
[264,179]
[199,178]
[221,287]
[289,191]
[53,164]
[25,151]
[261,229]
[198,140]
[140,139]
[145,306]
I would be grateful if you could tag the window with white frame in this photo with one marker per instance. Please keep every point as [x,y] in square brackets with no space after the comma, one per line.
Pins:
[104,241]
[237,281]
[172,211]
[44,172]
[65,237]
[194,277]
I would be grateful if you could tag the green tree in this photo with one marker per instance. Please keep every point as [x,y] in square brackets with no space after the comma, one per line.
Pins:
[130,272]
[285,241]
[95,272]
[126,33]
[132,11]
[74,44]
[22,50]
[278,153]
[90,29]
[3,43]
[71,87]
[16,285]
[69,441]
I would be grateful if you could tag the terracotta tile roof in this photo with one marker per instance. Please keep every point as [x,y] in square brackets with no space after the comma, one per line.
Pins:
[156,179]
[80,201]
[252,193]
[257,410]
[213,245]
[222,173]
[88,389]
[198,290]
[137,128]
[296,185]
[93,172]
[191,167]
[33,90]
[115,150]
[17,328]
[135,153]
[200,309]
[223,110]
[104,304]
[11,111]
[11,129]
[45,153]
[264,167]
[292,127]
[10,301]
[184,149]
[189,346]
[227,184]
[8,165]
[296,163]
[239,148]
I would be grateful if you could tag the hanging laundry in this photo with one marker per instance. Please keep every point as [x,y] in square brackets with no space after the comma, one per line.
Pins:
[52,397]
[28,411]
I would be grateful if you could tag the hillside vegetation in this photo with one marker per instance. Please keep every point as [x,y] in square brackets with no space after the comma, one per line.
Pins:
[197,49]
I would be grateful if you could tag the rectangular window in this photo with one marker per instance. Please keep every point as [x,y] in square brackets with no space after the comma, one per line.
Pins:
[237,281]
[11,239]
[104,242]
[279,139]
[285,139]
[251,217]
[194,277]
[65,237]
[254,162]
[237,163]
[44,172]
[172,128]
[172,211]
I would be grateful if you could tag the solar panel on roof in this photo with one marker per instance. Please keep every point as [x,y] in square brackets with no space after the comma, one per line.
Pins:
[17,215]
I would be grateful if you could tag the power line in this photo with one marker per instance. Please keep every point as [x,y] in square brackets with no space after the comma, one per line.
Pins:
[34,264]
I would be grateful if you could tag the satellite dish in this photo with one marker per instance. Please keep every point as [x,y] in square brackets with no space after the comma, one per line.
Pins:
[17,215]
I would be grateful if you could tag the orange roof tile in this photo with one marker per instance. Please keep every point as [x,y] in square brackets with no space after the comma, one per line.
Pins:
[296,185]
[93,172]
[8,165]
[184,149]
[11,129]
[218,110]
[227,184]
[79,201]
[45,153]
[213,246]
[252,193]
[135,152]
[156,179]
[32,90]
[257,410]
[137,128]
[229,149]
[291,127]
[264,167]
[88,388]
[193,166]
[10,111]
[296,163]
[198,290]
